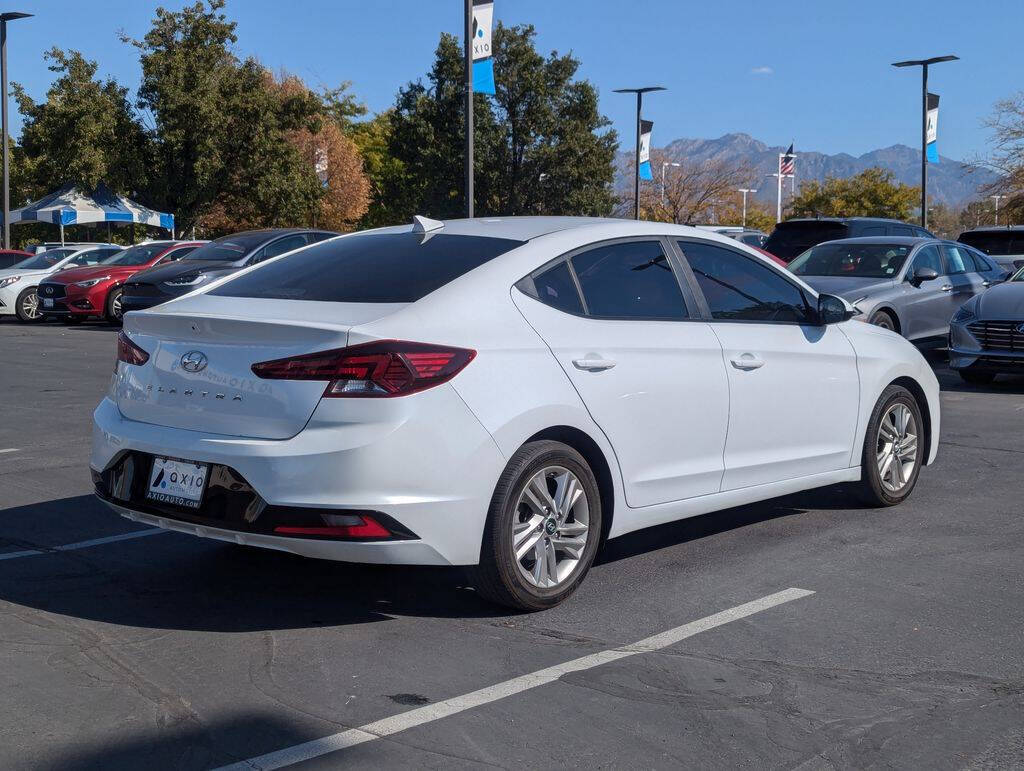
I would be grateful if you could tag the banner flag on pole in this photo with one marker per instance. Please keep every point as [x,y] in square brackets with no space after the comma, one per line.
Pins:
[932,132]
[787,162]
[645,149]
[483,60]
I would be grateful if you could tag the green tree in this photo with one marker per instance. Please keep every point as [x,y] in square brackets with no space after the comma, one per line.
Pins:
[872,193]
[541,145]
[220,125]
[85,132]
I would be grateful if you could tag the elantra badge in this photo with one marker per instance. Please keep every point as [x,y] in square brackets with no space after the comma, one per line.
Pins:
[194,361]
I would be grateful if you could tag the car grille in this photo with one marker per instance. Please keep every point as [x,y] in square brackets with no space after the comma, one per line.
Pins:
[52,290]
[999,335]
[140,289]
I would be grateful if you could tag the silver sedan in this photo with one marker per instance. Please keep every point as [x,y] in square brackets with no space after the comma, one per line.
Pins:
[986,335]
[912,286]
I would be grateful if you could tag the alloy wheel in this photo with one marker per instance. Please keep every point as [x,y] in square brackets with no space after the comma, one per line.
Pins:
[896,450]
[551,528]
[30,306]
[115,307]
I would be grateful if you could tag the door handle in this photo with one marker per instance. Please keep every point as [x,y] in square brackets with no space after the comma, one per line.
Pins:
[946,288]
[593,365]
[747,361]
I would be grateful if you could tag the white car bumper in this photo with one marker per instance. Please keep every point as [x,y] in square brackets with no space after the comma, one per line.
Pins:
[441,496]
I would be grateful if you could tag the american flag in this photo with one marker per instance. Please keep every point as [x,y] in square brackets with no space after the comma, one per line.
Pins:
[787,162]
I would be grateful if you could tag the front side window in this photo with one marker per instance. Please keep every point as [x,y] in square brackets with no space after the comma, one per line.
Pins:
[90,257]
[556,288]
[851,259]
[737,288]
[629,280]
[928,257]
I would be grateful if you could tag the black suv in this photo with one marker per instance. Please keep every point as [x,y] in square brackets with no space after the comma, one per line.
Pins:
[794,237]
[210,261]
[1004,244]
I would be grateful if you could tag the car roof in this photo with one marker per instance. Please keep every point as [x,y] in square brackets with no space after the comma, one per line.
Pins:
[899,240]
[273,232]
[995,229]
[516,228]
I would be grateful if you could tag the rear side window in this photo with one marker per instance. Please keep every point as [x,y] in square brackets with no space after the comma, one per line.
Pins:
[369,268]
[629,280]
[902,230]
[556,288]
[739,289]
[981,264]
[957,260]
[995,242]
[792,238]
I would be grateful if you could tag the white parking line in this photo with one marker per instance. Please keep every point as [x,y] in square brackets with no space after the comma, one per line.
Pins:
[82,544]
[9,449]
[442,709]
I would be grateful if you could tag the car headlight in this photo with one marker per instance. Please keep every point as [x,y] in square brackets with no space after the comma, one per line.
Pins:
[188,280]
[90,282]
[9,280]
[964,315]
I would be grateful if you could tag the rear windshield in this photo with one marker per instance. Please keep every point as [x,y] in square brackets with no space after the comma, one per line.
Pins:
[230,248]
[370,268]
[792,238]
[995,242]
[851,259]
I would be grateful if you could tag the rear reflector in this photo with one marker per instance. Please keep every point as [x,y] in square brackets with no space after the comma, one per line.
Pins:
[341,526]
[129,352]
[378,369]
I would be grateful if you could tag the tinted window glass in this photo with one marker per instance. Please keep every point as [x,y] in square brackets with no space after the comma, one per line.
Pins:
[957,260]
[368,268]
[137,255]
[995,242]
[45,260]
[177,254]
[556,288]
[230,248]
[633,280]
[928,257]
[980,263]
[874,230]
[843,258]
[736,287]
[902,230]
[281,246]
[791,238]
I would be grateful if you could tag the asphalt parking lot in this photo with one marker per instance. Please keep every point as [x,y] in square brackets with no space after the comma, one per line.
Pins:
[161,650]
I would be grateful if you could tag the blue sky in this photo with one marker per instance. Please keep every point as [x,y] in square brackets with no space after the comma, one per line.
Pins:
[814,72]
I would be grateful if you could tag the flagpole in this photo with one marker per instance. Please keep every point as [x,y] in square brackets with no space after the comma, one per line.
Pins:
[778,200]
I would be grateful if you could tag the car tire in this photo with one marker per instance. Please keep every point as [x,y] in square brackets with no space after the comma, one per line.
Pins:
[976,377]
[545,573]
[884,320]
[889,471]
[112,312]
[27,306]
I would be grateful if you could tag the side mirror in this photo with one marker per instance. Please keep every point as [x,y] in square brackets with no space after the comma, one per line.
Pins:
[832,309]
[921,275]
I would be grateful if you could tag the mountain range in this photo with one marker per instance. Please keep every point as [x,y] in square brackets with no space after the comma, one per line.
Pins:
[950,181]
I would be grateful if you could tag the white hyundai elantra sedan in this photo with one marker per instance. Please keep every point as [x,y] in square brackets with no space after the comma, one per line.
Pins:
[504,394]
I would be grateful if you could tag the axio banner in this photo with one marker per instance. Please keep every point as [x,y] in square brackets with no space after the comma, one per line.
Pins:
[483,57]
[932,128]
[645,149]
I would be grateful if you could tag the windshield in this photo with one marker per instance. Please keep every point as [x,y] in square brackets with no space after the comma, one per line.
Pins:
[995,242]
[44,260]
[136,255]
[229,248]
[791,238]
[851,259]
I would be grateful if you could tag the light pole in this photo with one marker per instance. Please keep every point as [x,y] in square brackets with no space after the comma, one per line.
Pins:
[745,190]
[468,65]
[665,165]
[4,18]
[996,199]
[923,64]
[639,103]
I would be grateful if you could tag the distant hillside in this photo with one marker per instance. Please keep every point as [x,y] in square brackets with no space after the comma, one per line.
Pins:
[949,181]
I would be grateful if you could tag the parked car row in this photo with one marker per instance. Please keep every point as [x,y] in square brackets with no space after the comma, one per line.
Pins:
[79,281]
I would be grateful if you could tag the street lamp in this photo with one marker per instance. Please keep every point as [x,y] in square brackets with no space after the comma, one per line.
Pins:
[923,64]
[639,103]
[665,165]
[745,190]
[4,18]
[996,199]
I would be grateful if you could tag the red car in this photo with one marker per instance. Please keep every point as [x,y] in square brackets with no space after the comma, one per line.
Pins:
[95,290]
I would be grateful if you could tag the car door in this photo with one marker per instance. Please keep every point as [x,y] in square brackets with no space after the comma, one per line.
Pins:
[962,272]
[927,307]
[628,335]
[793,384]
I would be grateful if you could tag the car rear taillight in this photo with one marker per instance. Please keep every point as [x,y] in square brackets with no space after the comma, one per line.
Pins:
[340,526]
[129,352]
[383,368]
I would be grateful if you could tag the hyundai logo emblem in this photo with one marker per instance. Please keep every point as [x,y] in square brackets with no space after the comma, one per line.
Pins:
[1020,328]
[194,361]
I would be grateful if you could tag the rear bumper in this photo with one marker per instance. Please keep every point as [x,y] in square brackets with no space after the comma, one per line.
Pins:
[432,470]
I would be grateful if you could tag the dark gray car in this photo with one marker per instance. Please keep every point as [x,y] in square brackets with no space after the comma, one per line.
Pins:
[986,335]
[910,285]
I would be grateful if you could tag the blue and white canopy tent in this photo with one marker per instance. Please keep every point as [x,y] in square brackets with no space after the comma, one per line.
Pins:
[72,206]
